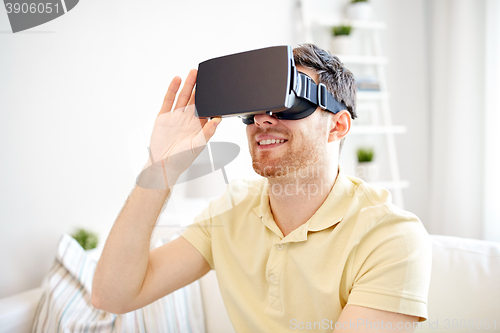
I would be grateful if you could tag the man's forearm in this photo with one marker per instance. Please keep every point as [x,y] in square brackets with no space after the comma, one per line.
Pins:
[122,267]
[178,137]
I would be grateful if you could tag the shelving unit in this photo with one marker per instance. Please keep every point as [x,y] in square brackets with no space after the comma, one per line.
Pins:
[369,129]
[362,60]
[381,123]
[372,95]
[372,25]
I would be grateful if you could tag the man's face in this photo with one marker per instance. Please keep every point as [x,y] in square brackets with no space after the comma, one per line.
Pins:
[299,148]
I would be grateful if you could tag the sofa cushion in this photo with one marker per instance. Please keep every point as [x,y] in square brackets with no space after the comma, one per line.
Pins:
[65,304]
[464,292]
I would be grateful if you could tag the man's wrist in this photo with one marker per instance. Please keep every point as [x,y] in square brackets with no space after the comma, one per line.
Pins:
[156,176]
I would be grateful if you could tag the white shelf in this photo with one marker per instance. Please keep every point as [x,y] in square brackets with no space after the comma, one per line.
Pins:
[376,25]
[378,129]
[392,185]
[375,102]
[363,60]
[371,95]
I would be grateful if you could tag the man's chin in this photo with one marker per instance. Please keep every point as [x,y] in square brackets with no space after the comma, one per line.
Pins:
[268,169]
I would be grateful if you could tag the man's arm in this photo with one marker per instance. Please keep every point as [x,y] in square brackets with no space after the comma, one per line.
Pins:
[392,267]
[128,275]
[366,320]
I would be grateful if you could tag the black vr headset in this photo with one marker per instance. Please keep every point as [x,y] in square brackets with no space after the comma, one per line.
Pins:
[259,81]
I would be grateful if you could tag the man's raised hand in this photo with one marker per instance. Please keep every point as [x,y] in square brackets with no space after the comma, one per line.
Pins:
[178,136]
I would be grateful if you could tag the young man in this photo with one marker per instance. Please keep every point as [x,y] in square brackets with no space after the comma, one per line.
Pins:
[305,247]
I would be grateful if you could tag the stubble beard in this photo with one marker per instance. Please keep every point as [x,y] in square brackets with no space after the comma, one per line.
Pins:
[305,162]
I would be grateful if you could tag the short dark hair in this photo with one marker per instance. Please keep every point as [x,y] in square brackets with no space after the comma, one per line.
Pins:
[331,71]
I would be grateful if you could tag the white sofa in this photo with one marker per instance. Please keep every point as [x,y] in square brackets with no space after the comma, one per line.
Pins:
[464,294]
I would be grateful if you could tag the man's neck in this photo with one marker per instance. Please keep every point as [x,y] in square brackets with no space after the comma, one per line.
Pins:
[294,200]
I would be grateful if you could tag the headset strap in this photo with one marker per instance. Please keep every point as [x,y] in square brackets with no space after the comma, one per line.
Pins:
[317,94]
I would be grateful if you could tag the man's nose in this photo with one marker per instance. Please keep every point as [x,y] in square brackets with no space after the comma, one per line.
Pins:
[265,120]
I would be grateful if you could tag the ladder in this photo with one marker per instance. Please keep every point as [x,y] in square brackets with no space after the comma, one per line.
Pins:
[311,22]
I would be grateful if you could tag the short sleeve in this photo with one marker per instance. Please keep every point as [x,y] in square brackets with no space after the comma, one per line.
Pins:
[200,233]
[200,236]
[392,266]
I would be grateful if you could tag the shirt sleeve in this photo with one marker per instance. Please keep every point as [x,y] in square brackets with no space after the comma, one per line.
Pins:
[200,236]
[392,266]
[200,233]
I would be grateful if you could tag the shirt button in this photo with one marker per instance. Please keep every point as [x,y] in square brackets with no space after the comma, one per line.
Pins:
[279,246]
[272,278]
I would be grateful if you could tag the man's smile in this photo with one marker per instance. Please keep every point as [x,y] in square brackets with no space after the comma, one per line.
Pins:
[267,141]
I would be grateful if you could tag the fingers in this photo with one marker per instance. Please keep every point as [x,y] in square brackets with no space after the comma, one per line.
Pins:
[190,107]
[187,90]
[169,98]
[210,127]
[192,98]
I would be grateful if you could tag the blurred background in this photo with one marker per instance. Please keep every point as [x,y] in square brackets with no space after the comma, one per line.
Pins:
[79,94]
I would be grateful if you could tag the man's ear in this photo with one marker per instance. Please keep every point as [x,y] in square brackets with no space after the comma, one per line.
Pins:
[341,124]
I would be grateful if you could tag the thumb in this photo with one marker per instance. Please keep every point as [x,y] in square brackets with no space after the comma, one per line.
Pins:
[210,127]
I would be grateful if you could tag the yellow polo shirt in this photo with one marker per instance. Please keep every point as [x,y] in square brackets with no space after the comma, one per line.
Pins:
[357,248]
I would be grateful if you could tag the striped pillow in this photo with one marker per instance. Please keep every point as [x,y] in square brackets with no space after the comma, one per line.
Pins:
[65,305]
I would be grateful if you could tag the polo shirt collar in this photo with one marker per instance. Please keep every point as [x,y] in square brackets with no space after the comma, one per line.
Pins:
[329,213]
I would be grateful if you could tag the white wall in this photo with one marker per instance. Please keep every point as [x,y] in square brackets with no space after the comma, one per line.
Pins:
[405,44]
[72,90]
[457,80]
[491,214]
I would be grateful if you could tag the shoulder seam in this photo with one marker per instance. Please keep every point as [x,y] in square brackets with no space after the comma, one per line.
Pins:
[370,197]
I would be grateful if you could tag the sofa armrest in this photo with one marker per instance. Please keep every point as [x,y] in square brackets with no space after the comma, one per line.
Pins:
[464,289]
[17,311]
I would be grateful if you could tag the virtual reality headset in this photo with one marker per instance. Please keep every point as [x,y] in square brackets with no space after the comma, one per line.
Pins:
[256,82]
